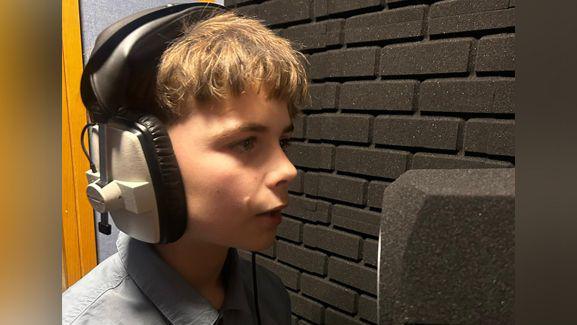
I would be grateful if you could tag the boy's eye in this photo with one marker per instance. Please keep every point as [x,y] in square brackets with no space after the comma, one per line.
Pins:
[248,144]
[245,145]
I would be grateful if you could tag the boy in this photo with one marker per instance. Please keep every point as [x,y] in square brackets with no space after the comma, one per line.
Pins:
[229,90]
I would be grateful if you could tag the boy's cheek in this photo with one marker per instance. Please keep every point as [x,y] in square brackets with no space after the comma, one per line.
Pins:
[223,195]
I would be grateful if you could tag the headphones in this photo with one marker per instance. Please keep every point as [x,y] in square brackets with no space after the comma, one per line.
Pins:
[134,174]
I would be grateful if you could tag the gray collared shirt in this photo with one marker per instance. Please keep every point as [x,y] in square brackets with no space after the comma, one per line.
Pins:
[135,286]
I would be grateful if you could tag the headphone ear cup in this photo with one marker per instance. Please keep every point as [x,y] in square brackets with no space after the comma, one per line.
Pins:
[165,174]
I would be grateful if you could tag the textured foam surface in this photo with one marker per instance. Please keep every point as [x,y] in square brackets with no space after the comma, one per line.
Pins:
[447,248]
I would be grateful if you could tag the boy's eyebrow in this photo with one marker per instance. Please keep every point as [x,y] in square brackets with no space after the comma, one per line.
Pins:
[254,127]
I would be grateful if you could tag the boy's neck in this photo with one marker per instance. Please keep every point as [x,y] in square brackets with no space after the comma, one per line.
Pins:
[199,263]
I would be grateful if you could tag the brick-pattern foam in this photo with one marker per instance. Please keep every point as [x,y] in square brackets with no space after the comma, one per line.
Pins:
[396,85]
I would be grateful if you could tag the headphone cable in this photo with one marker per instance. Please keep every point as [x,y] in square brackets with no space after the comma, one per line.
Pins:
[92,166]
[255,287]
[103,225]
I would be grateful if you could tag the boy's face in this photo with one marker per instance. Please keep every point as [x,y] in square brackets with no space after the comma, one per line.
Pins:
[231,176]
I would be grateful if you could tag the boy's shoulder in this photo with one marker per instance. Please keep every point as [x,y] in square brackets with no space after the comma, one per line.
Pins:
[105,295]
[113,291]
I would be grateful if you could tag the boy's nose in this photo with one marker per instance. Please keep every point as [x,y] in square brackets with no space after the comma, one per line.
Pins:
[283,171]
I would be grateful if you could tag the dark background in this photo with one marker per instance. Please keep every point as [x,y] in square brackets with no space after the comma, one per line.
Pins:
[395,85]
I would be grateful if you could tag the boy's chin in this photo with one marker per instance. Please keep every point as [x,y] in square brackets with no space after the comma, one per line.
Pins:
[258,246]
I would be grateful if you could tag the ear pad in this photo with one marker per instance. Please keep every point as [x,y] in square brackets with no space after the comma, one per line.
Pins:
[164,171]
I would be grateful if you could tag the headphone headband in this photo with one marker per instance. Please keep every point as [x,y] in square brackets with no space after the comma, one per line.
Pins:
[121,71]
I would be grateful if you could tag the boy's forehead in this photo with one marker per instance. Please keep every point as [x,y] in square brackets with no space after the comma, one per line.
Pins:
[241,103]
[225,119]
[249,105]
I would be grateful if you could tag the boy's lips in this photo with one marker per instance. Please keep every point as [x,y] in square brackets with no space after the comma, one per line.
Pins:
[272,218]
[273,211]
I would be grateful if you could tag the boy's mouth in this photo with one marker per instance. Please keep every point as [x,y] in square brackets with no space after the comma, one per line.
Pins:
[272,217]
[273,212]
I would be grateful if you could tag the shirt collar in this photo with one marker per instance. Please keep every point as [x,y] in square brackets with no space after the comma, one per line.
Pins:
[169,292]
[235,297]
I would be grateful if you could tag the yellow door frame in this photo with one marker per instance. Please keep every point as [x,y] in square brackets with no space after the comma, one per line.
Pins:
[78,232]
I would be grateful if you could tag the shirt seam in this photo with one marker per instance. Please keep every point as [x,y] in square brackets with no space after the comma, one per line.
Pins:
[98,297]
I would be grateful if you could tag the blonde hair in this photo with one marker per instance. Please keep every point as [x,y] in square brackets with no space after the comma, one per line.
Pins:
[225,56]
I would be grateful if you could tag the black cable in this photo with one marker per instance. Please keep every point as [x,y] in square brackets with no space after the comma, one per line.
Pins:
[255,289]
[103,226]
[92,166]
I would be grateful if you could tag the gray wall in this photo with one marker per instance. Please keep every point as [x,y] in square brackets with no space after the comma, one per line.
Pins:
[396,85]
[95,16]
